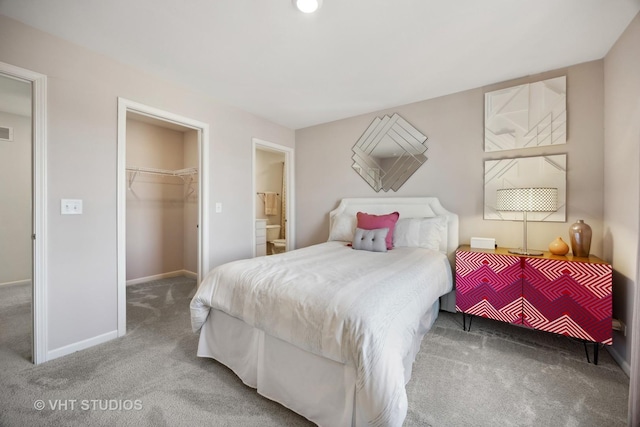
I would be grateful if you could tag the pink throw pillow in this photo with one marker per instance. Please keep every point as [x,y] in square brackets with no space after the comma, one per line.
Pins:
[371,222]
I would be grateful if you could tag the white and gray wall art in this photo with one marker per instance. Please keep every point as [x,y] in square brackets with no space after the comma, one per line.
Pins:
[529,115]
[538,171]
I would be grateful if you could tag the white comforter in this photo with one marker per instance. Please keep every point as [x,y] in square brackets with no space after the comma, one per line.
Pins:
[356,307]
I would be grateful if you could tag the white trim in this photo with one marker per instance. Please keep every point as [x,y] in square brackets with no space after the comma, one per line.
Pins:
[290,179]
[81,345]
[169,275]
[17,283]
[619,360]
[125,105]
[39,122]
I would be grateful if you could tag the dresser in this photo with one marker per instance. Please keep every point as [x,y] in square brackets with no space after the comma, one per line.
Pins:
[561,294]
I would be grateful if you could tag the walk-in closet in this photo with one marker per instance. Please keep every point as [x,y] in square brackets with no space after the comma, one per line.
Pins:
[162,200]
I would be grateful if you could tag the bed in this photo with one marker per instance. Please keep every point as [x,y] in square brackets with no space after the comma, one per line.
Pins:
[328,331]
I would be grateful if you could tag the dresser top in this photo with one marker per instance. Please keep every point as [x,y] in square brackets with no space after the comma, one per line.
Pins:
[592,259]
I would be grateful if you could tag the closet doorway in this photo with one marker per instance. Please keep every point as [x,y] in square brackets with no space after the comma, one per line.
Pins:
[162,198]
[22,230]
[273,190]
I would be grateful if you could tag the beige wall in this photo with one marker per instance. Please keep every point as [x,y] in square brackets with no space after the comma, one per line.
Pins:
[622,177]
[83,88]
[15,197]
[455,167]
[156,205]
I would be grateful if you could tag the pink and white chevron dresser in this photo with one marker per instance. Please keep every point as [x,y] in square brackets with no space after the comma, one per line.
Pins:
[561,294]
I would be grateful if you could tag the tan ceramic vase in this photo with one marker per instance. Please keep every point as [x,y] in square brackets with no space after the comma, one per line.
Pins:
[558,247]
[580,234]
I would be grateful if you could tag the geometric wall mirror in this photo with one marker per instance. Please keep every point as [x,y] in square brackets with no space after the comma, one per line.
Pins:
[526,172]
[389,152]
[529,115]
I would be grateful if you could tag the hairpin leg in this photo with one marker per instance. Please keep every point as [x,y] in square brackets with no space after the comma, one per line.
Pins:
[595,352]
[464,322]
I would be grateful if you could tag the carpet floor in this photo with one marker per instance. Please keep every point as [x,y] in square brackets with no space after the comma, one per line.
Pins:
[494,375]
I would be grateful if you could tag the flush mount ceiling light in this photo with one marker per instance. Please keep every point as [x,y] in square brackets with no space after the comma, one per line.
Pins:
[307,6]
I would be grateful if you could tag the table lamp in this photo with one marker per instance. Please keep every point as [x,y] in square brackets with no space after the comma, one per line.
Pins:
[532,199]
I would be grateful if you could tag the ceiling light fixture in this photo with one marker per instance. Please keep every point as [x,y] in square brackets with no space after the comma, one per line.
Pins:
[307,6]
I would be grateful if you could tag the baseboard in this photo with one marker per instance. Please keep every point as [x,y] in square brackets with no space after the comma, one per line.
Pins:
[17,282]
[169,275]
[619,360]
[81,345]
[190,274]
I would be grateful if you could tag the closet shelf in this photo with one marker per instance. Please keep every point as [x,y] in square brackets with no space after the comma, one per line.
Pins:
[168,172]
[181,173]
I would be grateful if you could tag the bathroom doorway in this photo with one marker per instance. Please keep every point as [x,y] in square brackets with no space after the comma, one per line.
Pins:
[273,198]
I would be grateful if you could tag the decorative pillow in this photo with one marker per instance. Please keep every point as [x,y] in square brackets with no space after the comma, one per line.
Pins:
[342,228]
[371,222]
[427,233]
[370,240]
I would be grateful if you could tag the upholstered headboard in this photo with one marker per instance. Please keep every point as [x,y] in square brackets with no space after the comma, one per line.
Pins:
[408,207]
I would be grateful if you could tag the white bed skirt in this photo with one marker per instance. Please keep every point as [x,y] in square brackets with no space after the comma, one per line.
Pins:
[320,389]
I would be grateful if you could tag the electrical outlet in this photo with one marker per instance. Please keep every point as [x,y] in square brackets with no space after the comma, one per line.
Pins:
[71,206]
[618,325]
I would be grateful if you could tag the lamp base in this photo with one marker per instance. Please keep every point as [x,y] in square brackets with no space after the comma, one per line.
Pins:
[523,252]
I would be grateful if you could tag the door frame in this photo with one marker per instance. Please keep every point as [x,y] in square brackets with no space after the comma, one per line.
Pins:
[290,179]
[39,206]
[124,106]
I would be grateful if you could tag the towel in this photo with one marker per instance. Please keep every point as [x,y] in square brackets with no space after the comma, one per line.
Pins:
[270,203]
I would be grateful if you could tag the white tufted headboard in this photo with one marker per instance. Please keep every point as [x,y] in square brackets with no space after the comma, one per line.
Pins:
[408,207]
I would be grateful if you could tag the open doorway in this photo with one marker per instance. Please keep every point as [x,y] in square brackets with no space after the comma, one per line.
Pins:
[16,212]
[273,198]
[23,231]
[162,198]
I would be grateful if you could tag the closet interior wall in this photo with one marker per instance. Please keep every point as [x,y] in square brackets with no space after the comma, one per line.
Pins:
[162,211]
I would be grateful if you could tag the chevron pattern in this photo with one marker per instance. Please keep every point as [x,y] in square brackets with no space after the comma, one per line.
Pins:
[489,285]
[565,297]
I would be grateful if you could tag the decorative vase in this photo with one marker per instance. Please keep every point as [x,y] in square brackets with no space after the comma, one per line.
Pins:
[580,234]
[558,247]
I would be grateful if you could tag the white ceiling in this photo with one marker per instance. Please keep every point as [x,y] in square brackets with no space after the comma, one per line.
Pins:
[349,58]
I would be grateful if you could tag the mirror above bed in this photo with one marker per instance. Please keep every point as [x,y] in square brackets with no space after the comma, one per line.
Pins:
[389,152]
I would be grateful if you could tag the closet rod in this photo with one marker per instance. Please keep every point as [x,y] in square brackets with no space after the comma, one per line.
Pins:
[181,173]
[155,171]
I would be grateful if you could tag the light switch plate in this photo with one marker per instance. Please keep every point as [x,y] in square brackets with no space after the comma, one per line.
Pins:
[71,206]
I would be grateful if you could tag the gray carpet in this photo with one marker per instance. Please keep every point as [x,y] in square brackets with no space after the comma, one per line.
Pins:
[496,374]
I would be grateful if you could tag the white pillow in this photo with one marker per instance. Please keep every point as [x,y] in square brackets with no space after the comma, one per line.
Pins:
[343,228]
[428,233]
